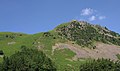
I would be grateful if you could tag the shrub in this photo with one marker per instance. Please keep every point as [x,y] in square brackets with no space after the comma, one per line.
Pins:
[1,52]
[101,65]
[28,60]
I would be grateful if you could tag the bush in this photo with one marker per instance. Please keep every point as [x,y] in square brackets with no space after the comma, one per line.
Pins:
[101,65]
[28,60]
[1,52]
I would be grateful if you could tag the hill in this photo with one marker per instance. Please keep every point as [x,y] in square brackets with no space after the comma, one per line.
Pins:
[69,45]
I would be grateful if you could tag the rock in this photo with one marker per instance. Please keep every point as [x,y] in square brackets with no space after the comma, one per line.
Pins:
[10,43]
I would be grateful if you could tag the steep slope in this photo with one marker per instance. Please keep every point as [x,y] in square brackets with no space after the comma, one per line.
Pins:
[86,34]
[102,50]
[69,45]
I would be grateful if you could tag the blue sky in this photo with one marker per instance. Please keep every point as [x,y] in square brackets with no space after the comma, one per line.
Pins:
[33,16]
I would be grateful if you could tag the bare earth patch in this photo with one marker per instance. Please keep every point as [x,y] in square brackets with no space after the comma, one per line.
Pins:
[10,43]
[102,51]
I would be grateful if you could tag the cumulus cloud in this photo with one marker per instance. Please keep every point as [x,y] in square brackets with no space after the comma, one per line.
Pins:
[91,14]
[102,17]
[92,18]
[87,11]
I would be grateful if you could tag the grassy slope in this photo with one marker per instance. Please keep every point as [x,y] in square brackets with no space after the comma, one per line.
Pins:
[35,40]
[62,58]
[19,41]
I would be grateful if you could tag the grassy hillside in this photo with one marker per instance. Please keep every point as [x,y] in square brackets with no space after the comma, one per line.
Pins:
[81,33]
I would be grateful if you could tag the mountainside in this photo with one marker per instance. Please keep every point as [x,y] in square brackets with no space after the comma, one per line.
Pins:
[85,34]
[69,45]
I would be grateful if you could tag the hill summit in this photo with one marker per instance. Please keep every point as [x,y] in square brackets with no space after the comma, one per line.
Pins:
[68,45]
[86,34]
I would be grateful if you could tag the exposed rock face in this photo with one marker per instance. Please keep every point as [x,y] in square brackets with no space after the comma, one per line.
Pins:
[102,51]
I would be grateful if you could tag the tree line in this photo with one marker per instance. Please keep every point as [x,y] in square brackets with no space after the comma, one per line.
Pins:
[101,65]
[27,60]
[34,60]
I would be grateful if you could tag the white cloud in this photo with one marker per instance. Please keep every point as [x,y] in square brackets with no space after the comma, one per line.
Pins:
[102,17]
[91,14]
[92,18]
[87,11]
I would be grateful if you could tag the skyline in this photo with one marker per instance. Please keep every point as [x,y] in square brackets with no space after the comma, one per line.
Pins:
[28,16]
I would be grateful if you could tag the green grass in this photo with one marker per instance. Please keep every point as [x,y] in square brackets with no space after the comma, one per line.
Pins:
[10,49]
[48,42]
[64,61]
[62,25]
[118,56]
[62,58]
[1,59]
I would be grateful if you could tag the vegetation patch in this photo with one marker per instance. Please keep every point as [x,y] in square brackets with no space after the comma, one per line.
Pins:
[84,34]
[100,65]
[27,60]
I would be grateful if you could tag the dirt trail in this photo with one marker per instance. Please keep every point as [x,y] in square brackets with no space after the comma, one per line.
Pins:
[102,51]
